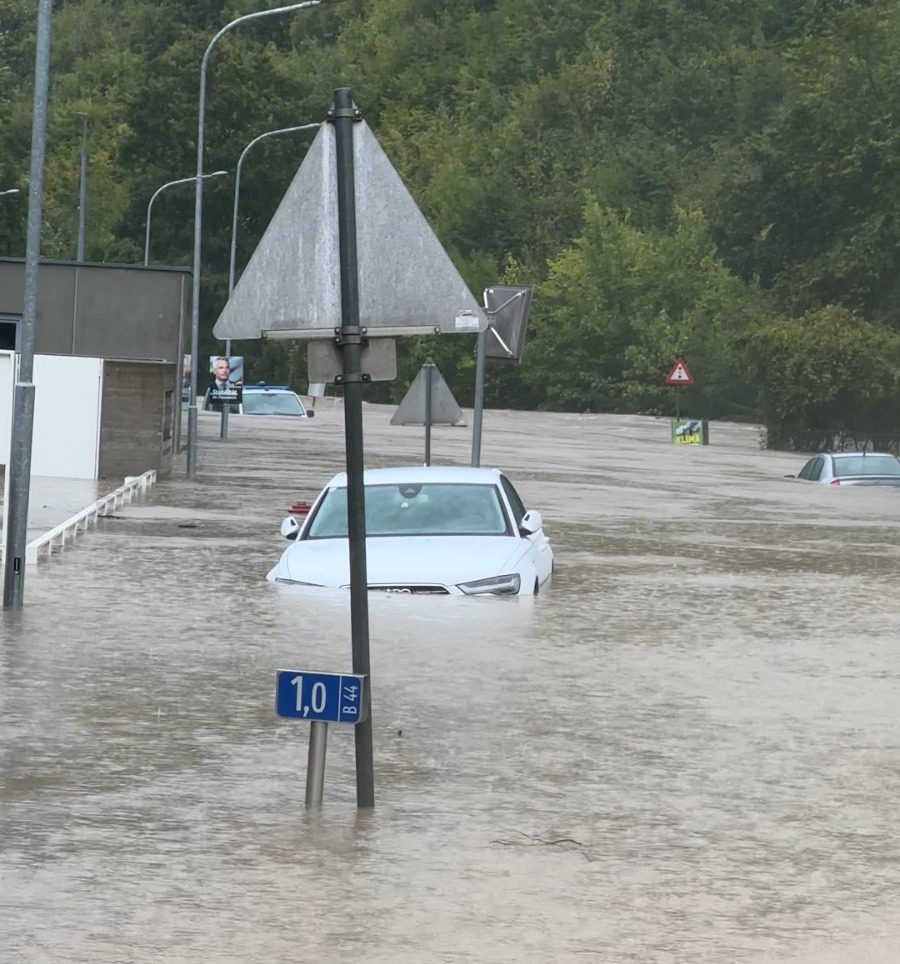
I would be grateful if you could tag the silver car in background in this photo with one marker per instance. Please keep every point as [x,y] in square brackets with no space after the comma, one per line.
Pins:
[852,468]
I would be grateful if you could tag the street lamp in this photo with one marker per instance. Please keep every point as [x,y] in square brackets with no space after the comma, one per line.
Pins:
[198,219]
[157,192]
[12,190]
[237,189]
[82,186]
[223,430]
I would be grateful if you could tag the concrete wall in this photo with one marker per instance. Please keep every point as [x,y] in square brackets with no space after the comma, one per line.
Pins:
[96,419]
[140,416]
[103,311]
[119,313]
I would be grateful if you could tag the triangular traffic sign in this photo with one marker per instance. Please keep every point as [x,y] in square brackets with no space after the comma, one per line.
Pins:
[444,407]
[407,282]
[679,375]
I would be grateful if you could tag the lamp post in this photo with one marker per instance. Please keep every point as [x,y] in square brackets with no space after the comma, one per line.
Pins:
[198,218]
[12,190]
[237,189]
[157,192]
[82,187]
[15,531]
[223,428]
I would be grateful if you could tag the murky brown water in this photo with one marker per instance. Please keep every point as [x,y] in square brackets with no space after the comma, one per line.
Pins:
[687,750]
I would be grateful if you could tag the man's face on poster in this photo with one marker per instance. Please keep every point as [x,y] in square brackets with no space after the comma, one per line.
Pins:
[221,369]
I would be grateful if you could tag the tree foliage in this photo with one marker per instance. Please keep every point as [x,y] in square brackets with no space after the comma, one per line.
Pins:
[826,374]
[674,177]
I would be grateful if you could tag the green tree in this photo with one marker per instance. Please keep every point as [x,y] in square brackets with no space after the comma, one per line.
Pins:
[824,374]
[622,304]
[813,210]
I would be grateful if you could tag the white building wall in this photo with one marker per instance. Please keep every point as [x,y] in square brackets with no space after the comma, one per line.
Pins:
[66,440]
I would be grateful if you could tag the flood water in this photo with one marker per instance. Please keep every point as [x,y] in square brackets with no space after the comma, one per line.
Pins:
[686,750]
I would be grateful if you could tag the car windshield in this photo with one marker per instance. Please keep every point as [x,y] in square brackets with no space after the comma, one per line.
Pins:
[272,403]
[430,509]
[866,465]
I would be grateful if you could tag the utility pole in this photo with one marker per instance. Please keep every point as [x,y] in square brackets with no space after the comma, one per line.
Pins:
[23,405]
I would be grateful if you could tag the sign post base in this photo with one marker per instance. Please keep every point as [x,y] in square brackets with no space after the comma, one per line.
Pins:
[315,764]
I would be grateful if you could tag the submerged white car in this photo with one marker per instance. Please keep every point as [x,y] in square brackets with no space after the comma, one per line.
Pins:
[432,529]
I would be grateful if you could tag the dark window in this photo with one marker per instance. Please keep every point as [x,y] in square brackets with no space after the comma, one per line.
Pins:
[515,503]
[272,403]
[9,329]
[816,471]
[866,465]
[429,509]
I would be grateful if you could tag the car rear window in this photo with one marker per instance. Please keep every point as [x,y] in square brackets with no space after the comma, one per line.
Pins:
[866,465]
[432,509]
[272,403]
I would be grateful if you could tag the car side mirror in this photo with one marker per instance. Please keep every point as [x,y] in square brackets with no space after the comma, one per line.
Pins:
[531,522]
[310,413]
[790,476]
[290,528]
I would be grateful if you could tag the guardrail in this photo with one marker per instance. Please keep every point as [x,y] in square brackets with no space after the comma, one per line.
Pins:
[58,535]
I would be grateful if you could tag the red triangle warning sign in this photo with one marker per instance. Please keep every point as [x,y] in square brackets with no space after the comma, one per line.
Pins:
[679,375]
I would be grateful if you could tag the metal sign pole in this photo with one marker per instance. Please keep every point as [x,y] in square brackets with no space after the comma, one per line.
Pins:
[429,379]
[226,406]
[344,115]
[319,698]
[315,764]
[480,354]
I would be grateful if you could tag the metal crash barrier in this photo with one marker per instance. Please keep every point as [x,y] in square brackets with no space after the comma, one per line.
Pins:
[68,530]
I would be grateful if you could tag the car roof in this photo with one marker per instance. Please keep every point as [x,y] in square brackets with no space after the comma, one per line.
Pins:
[262,387]
[855,455]
[418,474]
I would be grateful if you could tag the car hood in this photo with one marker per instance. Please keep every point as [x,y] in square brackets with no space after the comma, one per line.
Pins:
[403,561]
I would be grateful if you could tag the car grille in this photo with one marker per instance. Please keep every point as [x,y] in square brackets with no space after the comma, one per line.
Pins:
[423,590]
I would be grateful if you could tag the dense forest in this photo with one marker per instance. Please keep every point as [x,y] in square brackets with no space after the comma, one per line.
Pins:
[716,179]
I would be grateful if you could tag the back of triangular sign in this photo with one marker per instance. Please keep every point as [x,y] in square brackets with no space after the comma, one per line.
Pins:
[407,282]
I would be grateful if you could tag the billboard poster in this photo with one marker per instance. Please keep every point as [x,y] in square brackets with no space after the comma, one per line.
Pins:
[226,381]
[690,431]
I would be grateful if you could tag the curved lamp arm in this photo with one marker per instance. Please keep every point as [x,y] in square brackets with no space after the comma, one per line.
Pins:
[237,189]
[198,217]
[156,193]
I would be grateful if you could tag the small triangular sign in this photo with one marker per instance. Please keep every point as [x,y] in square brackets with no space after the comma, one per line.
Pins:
[679,375]
[444,407]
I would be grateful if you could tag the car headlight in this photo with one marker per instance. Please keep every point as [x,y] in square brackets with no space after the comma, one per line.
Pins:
[498,585]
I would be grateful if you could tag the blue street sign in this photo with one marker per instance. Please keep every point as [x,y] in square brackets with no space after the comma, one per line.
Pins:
[325,697]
